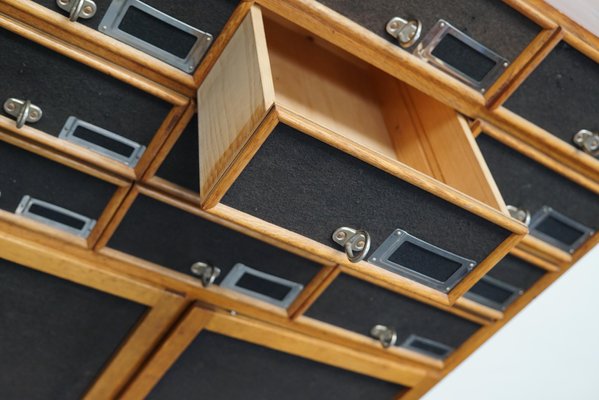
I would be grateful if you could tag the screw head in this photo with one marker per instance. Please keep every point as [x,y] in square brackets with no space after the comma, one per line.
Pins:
[233,312]
[33,114]
[10,106]
[87,10]
[360,245]
[340,235]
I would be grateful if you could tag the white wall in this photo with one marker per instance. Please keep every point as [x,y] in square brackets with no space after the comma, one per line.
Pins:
[550,351]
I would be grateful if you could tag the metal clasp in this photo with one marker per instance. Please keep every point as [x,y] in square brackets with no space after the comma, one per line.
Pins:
[406,32]
[78,8]
[355,241]
[207,273]
[387,336]
[23,111]
[520,214]
[587,141]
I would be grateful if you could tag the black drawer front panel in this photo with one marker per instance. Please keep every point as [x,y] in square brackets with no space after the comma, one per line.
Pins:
[516,272]
[23,173]
[490,22]
[526,184]
[207,15]
[561,95]
[306,186]
[217,367]
[182,165]
[357,305]
[176,239]
[56,335]
[62,87]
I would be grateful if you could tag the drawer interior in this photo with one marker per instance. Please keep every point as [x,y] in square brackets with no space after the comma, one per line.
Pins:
[564,74]
[56,335]
[356,305]
[220,367]
[62,88]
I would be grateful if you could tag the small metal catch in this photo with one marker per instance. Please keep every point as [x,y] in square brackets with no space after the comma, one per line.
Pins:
[23,111]
[406,32]
[587,141]
[355,241]
[78,8]
[208,273]
[387,336]
[520,214]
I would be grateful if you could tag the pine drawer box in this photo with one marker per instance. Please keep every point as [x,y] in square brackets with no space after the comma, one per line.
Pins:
[565,74]
[473,40]
[223,357]
[50,193]
[176,239]
[297,133]
[176,32]
[558,211]
[74,102]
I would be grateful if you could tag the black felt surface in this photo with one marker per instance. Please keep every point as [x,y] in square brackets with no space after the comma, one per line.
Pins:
[217,367]
[561,95]
[527,184]
[492,292]
[490,22]
[23,173]
[516,272]
[182,165]
[62,87]
[425,262]
[56,336]
[207,15]
[555,228]
[463,57]
[357,305]
[308,187]
[176,239]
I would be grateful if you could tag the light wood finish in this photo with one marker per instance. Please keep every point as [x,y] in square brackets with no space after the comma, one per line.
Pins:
[537,261]
[29,249]
[233,100]
[312,292]
[544,251]
[106,47]
[92,61]
[111,208]
[477,308]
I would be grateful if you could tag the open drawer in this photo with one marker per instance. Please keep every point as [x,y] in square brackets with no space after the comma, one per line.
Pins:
[232,357]
[294,132]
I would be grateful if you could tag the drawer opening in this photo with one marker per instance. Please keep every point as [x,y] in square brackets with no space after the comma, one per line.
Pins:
[340,96]
[559,230]
[427,346]
[493,293]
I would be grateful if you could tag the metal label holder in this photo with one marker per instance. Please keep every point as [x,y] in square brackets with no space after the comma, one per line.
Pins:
[70,128]
[27,202]
[117,11]
[413,341]
[239,270]
[548,212]
[381,258]
[515,293]
[439,31]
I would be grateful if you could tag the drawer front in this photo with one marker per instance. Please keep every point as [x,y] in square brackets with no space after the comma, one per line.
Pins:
[529,185]
[63,88]
[56,335]
[27,174]
[168,236]
[219,367]
[564,74]
[492,23]
[358,306]
[209,16]
[308,187]
[181,164]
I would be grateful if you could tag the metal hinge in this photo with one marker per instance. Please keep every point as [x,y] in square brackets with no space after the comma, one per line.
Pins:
[78,8]
[23,111]
[387,336]
[587,141]
[406,32]
[520,214]
[355,241]
[206,272]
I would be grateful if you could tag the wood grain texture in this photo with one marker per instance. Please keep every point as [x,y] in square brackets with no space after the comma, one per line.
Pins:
[310,294]
[233,100]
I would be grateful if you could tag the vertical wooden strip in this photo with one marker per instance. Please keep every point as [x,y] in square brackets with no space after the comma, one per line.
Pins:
[315,288]
[117,217]
[111,208]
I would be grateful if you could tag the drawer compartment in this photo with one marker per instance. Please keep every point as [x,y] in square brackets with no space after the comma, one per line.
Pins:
[56,333]
[532,187]
[333,142]
[490,24]
[508,280]
[176,239]
[358,306]
[176,32]
[564,74]
[50,192]
[79,103]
